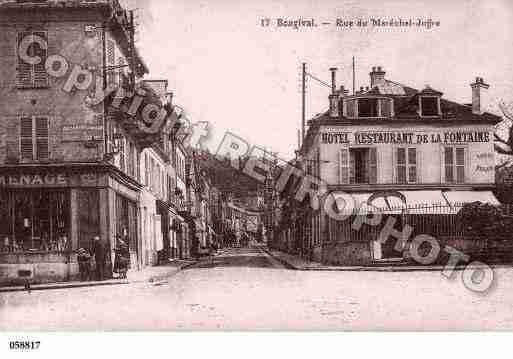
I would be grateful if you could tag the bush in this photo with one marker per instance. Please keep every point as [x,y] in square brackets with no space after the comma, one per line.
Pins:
[485,220]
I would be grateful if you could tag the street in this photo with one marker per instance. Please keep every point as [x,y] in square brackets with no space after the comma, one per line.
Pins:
[245,289]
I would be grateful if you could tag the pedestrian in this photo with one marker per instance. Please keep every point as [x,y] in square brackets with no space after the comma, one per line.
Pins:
[98,249]
[84,264]
[122,258]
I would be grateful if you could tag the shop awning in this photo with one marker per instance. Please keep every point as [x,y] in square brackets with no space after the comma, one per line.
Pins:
[419,202]
[457,199]
[357,203]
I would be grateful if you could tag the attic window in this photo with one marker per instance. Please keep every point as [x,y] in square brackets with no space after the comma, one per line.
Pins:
[430,106]
[368,107]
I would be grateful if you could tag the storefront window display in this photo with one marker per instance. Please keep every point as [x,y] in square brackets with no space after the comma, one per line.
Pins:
[35,220]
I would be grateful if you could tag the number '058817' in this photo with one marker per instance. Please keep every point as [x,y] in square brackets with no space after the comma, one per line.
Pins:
[19,345]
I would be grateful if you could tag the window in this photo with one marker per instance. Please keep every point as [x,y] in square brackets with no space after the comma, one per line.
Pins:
[406,165]
[368,107]
[35,220]
[454,158]
[32,75]
[358,166]
[34,138]
[429,106]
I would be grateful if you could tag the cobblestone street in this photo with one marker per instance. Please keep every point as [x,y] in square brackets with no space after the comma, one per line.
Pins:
[245,289]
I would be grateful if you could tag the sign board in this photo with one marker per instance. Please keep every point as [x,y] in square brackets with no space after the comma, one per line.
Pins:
[82,133]
[405,138]
[34,180]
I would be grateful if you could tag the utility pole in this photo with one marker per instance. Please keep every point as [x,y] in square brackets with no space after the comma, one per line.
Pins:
[303,101]
[354,77]
[132,49]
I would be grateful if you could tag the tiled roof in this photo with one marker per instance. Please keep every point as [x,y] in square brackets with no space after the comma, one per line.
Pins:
[406,106]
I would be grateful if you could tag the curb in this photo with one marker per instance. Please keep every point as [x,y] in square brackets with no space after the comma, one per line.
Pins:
[285,263]
[62,286]
[378,269]
[40,287]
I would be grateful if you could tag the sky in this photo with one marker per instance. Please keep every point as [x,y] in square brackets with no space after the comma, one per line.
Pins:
[225,68]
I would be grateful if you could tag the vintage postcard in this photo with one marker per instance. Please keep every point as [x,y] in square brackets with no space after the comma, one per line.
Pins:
[272,165]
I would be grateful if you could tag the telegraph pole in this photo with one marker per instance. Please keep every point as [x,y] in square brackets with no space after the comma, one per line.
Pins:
[132,48]
[303,101]
[354,76]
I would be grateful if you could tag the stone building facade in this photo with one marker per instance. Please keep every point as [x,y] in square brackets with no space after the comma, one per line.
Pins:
[70,165]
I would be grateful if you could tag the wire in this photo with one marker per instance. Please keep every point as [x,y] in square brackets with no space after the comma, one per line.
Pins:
[318,80]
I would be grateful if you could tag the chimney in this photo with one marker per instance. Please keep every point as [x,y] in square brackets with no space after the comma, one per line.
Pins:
[377,76]
[477,108]
[343,92]
[334,96]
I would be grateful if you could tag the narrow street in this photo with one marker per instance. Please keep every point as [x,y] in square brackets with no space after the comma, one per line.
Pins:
[245,289]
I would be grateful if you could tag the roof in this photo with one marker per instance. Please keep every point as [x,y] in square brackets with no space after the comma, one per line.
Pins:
[405,110]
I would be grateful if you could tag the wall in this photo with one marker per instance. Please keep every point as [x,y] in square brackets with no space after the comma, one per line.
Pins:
[63,109]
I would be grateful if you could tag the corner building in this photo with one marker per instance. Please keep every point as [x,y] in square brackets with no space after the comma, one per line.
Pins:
[68,170]
[404,151]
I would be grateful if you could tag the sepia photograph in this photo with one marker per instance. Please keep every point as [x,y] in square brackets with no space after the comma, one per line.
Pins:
[290,166]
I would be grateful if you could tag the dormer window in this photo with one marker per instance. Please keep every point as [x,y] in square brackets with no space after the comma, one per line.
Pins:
[429,106]
[368,107]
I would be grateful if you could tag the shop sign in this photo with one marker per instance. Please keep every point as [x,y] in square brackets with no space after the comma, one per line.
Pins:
[32,180]
[49,180]
[401,138]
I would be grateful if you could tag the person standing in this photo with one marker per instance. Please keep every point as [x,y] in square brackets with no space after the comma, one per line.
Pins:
[99,257]
[84,264]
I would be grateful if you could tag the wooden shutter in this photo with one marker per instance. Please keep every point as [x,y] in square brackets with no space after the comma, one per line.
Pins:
[344,166]
[412,165]
[449,164]
[401,165]
[460,165]
[386,107]
[42,138]
[12,139]
[39,70]
[32,76]
[26,139]
[350,108]
[373,165]
[24,76]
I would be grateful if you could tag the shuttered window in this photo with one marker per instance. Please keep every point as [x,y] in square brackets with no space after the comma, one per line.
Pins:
[406,165]
[454,158]
[34,138]
[29,75]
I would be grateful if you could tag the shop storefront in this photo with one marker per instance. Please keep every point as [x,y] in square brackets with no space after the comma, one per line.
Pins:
[48,213]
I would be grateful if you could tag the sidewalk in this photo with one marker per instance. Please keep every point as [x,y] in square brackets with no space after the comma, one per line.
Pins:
[296,263]
[149,274]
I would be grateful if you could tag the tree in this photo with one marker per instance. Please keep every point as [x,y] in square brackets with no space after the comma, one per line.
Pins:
[486,221]
[504,145]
